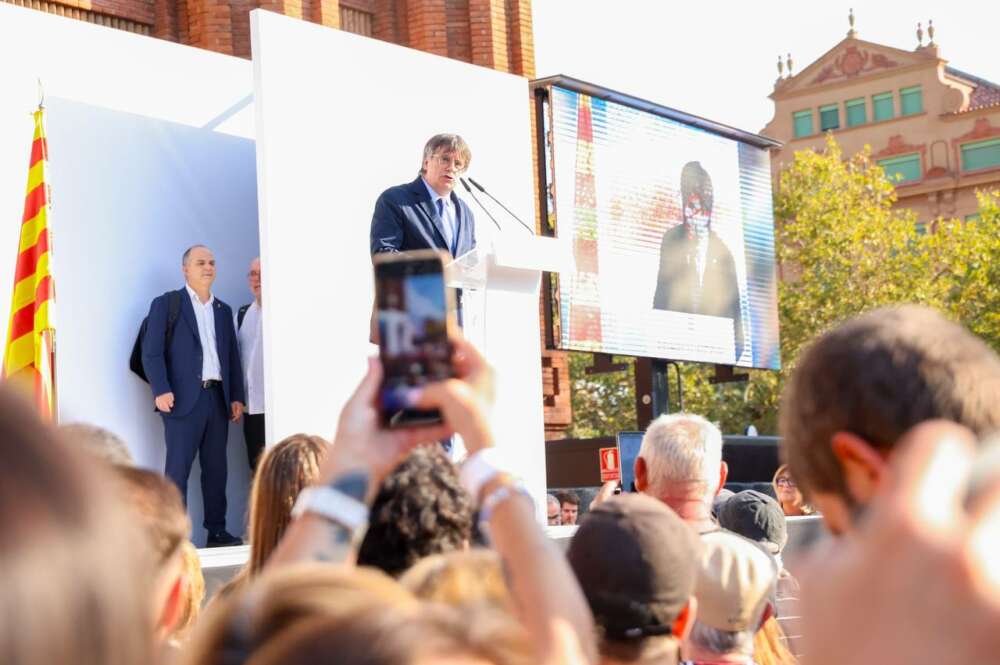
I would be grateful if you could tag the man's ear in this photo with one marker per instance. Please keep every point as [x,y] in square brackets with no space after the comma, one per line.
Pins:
[684,622]
[863,467]
[641,475]
[723,474]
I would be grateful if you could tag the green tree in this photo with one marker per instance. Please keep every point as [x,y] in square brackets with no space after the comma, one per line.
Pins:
[602,403]
[841,249]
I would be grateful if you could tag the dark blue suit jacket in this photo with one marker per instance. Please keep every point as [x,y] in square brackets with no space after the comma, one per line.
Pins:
[178,369]
[405,218]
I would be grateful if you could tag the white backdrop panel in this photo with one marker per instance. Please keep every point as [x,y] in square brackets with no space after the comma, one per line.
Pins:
[151,150]
[329,141]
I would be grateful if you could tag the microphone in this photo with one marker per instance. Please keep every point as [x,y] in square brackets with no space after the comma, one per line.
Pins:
[497,201]
[473,195]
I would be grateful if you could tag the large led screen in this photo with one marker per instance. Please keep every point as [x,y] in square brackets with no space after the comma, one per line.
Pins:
[673,235]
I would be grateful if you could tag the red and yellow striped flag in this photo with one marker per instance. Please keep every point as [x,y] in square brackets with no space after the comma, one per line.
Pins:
[29,354]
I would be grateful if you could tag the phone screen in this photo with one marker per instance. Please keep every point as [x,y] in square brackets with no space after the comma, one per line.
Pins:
[413,332]
[628,450]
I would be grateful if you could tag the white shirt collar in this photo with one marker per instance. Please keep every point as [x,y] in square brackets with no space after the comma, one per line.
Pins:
[434,195]
[196,298]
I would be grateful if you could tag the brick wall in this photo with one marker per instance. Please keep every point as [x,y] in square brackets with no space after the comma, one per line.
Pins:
[490,33]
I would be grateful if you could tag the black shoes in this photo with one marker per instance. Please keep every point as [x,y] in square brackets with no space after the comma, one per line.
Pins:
[222,539]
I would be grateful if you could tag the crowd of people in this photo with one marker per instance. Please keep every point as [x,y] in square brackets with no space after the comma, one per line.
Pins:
[374,548]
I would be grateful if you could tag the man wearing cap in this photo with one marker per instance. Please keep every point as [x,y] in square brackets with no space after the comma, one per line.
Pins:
[736,581]
[680,463]
[636,562]
[757,517]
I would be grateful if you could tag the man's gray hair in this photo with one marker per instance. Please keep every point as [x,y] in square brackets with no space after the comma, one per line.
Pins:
[449,143]
[722,642]
[682,448]
[551,499]
[187,253]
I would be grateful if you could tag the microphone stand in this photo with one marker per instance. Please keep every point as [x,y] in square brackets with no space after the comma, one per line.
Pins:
[474,198]
[497,201]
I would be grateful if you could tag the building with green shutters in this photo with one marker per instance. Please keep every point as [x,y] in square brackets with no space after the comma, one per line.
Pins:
[934,129]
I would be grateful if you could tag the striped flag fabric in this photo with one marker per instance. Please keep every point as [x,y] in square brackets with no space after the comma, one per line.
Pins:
[28,361]
[585,308]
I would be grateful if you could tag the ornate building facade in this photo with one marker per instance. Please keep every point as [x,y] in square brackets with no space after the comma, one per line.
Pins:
[935,129]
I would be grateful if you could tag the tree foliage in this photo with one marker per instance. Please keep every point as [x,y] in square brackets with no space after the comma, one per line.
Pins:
[602,403]
[841,249]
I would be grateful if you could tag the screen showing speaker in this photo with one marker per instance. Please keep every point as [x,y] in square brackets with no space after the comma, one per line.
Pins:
[672,231]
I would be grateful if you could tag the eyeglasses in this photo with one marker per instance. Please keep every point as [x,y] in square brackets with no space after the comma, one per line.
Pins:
[253,273]
[784,482]
[449,161]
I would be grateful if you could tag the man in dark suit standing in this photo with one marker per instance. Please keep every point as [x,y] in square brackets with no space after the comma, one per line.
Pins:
[426,213]
[697,272]
[197,384]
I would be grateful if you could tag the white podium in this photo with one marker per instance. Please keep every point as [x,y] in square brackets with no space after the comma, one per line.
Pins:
[500,286]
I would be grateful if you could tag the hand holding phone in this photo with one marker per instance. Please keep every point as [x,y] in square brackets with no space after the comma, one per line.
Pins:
[415,319]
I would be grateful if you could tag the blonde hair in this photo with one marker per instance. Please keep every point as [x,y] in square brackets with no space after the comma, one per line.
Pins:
[385,636]
[284,470]
[459,579]
[769,645]
[236,626]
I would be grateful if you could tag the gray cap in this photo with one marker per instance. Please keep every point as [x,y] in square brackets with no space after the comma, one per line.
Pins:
[756,516]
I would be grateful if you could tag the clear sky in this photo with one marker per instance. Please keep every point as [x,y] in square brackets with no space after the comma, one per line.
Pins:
[718,59]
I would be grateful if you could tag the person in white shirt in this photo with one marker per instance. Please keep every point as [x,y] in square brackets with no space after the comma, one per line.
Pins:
[250,333]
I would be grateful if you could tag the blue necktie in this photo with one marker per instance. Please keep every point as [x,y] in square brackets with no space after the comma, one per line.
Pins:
[452,230]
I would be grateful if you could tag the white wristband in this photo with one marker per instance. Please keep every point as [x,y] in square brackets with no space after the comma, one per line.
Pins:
[478,469]
[332,505]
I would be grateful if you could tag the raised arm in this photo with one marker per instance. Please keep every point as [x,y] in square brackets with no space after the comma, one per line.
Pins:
[362,455]
[550,601]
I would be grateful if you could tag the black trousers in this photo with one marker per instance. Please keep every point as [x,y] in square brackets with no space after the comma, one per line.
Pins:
[253,433]
[203,433]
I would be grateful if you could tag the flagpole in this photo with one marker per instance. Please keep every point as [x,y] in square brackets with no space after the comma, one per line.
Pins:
[49,334]
[29,354]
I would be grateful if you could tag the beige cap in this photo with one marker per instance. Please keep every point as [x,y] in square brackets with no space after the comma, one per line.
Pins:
[736,582]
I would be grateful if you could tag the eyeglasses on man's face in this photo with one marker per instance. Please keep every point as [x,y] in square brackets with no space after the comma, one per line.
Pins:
[450,160]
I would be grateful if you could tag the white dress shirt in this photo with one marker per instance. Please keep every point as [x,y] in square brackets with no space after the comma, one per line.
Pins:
[448,219]
[205,315]
[252,356]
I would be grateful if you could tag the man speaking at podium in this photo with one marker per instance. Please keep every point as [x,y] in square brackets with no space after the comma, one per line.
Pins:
[426,214]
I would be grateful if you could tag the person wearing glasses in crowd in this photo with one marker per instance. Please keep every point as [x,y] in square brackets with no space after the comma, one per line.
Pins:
[788,494]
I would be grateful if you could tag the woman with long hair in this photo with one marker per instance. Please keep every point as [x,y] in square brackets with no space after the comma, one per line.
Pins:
[283,471]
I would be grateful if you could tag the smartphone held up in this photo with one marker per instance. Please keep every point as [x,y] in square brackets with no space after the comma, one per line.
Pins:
[415,314]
